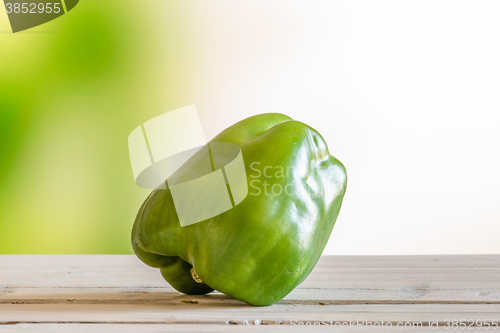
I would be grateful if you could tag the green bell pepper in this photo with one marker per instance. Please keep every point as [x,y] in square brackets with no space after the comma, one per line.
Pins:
[266,245]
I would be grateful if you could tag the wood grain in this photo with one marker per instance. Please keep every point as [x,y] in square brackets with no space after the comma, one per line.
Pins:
[108,292]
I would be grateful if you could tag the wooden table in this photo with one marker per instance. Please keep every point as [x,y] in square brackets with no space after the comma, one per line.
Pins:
[118,293]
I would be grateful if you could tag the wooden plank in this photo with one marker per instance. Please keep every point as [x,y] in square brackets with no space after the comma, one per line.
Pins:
[329,296]
[156,328]
[63,292]
[221,314]
[335,280]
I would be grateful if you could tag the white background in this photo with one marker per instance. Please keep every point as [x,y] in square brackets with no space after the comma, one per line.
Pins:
[406,94]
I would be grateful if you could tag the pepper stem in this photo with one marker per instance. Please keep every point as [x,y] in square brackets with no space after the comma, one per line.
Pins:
[195,276]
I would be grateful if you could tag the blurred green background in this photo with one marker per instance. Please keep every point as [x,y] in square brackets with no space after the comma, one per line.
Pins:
[71,91]
[412,112]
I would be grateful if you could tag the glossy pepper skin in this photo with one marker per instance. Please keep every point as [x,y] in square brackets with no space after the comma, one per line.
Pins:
[264,247]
